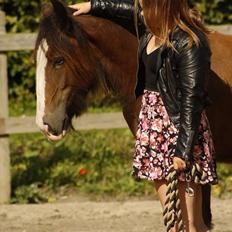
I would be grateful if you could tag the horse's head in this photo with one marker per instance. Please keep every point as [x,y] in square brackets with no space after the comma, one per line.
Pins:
[64,70]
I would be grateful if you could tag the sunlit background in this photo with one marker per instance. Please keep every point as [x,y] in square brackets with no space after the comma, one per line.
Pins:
[95,164]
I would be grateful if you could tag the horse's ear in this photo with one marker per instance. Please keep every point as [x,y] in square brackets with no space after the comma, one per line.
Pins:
[61,16]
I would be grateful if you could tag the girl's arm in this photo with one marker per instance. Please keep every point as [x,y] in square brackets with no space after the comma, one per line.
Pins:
[113,8]
[193,64]
[119,11]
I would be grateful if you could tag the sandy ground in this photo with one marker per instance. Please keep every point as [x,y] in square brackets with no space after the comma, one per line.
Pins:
[87,216]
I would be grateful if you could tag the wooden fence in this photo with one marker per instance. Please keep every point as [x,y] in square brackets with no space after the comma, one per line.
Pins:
[11,125]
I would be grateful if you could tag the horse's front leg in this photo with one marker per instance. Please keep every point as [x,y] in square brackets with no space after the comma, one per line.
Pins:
[131,109]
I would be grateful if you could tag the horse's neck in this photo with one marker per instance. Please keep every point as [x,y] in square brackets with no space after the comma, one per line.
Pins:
[221,56]
[116,50]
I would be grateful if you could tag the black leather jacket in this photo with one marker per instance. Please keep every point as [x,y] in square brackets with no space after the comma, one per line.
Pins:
[182,75]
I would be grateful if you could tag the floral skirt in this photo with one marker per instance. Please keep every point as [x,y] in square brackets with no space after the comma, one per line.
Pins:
[156,139]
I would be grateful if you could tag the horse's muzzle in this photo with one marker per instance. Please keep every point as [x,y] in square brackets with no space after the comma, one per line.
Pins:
[53,137]
[55,130]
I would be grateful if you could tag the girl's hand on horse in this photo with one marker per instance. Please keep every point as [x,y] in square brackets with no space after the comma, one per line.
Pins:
[81,8]
[179,164]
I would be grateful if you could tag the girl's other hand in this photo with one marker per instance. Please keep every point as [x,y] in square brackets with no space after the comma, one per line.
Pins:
[179,164]
[81,8]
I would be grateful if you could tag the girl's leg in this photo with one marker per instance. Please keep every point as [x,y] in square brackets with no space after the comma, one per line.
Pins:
[199,216]
[191,207]
[188,207]
[161,188]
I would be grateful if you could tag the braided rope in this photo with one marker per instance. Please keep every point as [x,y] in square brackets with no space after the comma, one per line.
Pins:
[172,211]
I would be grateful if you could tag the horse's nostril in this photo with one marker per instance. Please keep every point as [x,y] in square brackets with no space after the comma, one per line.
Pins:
[51,130]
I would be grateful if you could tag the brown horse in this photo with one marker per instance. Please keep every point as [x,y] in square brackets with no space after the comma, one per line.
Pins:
[78,57]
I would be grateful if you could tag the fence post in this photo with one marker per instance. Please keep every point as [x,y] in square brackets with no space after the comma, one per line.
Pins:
[5,179]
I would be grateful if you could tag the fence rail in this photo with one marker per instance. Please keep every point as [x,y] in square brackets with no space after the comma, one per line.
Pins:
[17,42]
[17,125]
[12,125]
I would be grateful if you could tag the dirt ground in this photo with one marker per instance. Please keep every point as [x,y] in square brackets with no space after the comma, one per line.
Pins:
[88,216]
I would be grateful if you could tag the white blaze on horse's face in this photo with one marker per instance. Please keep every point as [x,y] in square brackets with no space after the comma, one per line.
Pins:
[41,61]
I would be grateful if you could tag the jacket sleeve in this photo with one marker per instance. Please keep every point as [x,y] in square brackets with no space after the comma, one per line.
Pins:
[193,65]
[119,11]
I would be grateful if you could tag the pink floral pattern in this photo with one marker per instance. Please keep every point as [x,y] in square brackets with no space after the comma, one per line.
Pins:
[156,139]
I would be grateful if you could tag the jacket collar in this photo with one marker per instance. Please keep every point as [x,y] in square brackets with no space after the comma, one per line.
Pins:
[163,51]
[144,40]
[142,45]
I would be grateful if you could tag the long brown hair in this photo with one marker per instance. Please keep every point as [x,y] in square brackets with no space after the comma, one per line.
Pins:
[162,16]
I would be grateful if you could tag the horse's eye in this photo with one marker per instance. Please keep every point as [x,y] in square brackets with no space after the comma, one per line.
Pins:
[58,62]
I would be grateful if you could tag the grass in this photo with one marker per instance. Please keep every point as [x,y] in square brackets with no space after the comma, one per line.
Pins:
[96,163]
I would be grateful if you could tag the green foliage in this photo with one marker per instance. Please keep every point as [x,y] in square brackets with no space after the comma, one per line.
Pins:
[224,188]
[90,162]
[216,11]
[30,194]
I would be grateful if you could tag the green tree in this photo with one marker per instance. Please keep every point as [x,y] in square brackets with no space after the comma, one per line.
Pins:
[216,11]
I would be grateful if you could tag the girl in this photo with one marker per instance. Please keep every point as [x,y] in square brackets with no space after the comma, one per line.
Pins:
[173,129]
